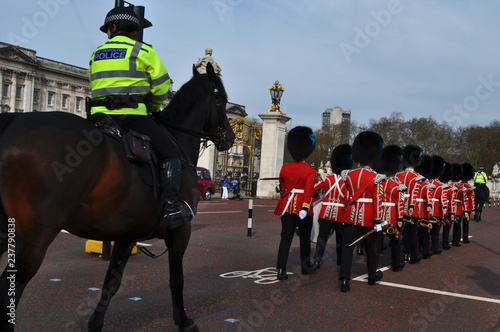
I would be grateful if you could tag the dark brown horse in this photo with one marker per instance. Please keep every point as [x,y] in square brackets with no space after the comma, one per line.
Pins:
[57,171]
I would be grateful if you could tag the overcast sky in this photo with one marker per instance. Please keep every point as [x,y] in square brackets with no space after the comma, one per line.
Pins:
[422,58]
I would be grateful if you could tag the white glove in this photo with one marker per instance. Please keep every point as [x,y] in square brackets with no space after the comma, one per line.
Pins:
[302,214]
[378,227]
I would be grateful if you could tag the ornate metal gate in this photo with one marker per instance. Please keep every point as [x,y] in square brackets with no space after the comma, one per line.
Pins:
[242,161]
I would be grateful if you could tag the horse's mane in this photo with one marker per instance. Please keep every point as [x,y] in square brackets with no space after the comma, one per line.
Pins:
[190,93]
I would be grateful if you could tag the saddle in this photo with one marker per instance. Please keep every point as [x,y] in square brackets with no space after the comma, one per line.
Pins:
[136,146]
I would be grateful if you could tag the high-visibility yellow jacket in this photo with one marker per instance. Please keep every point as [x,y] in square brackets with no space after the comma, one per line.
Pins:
[480,177]
[124,66]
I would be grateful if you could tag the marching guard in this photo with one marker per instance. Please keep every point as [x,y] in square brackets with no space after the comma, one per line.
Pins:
[412,157]
[439,202]
[469,199]
[393,204]
[424,206]
[294,206]
[457,204]
[447,213]
[363,211]
[333,205]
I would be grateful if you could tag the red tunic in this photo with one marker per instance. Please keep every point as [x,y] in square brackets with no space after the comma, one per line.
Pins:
[439,199]
[457,202]
[470,198]
[333,205]
[424,198]
[394,200]
[297,185]
[365,197]
[411,180]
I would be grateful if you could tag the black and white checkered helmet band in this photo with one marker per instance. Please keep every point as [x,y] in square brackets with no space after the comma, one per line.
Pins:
[121,17]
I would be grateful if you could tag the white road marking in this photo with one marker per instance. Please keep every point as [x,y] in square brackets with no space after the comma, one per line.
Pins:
[364,278]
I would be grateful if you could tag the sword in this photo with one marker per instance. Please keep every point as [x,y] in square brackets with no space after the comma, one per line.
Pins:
[384,225]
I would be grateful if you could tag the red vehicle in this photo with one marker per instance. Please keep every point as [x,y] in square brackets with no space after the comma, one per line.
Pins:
[205,183]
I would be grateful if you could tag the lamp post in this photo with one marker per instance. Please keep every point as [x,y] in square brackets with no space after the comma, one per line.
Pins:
[276,92]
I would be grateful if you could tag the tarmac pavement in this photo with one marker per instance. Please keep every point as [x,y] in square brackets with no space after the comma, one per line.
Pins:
[230,284]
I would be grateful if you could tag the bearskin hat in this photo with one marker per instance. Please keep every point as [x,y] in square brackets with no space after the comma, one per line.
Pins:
[447,173]
[390,161]
[300,142]
[367,147]
[437,166]
[457,172]
[468,172]
[341,158]
[425,167]
[412,155]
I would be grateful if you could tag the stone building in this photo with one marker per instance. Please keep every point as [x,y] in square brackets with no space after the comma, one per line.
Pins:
[34,84]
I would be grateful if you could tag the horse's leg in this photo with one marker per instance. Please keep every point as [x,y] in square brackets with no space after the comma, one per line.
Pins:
[177,240]
[22,264]
[112,282]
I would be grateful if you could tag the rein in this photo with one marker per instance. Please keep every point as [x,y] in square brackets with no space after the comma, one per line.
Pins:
[219,133]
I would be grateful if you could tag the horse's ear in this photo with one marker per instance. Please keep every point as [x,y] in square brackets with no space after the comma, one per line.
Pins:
[210,71]
[195,71]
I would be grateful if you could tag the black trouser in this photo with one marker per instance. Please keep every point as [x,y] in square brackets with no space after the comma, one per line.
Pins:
[435,234]
[162,143]
[457,230]
[446,235]
[288,224]
[410,243]
[465,229]
[423,239]
[351,233]
[325,228]
[395,245]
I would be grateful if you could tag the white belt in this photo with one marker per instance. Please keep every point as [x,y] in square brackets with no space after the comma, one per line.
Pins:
[406,195]
[435,199]
[419,199]
[292,192]
[457,200]
[364,200]
[388,204]
[334,204]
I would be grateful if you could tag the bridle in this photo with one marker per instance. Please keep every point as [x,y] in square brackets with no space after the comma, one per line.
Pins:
[220,132]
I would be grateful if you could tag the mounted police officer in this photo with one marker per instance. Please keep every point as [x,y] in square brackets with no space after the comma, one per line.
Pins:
[128,81]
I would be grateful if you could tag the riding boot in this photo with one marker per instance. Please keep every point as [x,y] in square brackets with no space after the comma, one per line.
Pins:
[170,176]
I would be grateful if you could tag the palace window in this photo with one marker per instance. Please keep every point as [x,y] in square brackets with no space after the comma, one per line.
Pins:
[78,103]
[19,90]
[35,96]
[50,99]
[5,90]
[65,101]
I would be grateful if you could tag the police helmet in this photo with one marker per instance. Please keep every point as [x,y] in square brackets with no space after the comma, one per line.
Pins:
[121,15]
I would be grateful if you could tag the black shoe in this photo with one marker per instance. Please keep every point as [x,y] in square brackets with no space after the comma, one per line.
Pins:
[427,256]
[456,244]
[378,276]
[344,286]
[446,248]
[317,263]
[399,268]
[466,241]
[438,251]
[415,260]
[282,275]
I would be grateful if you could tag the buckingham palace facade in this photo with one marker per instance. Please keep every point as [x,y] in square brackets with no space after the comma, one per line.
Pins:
[34,84]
